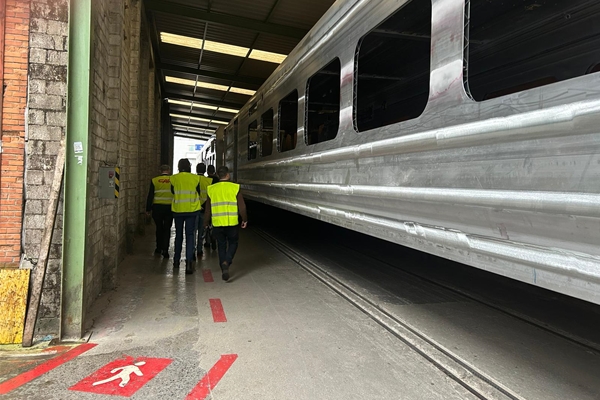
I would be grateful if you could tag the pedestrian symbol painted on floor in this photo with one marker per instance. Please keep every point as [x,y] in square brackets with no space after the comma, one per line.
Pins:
[124,374]
[122,377]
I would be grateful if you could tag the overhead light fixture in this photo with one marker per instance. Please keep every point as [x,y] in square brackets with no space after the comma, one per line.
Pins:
[222,48]
[206,106]
[194,129]
[212,86]
[191,117]
[267,56]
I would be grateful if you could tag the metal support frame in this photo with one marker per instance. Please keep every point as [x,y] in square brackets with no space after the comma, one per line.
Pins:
[224,19]
[76,190]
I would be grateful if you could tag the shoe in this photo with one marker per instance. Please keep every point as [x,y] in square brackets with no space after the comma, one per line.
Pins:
[189,267]
[175,264]
[165,254]
[225,271]
[157,251]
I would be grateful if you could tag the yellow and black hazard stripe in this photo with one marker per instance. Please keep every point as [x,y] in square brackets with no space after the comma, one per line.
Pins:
[117,181]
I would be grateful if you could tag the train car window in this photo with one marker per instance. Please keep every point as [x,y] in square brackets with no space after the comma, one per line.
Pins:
[323,104]
[266,134]
[252,140]
[518,45]
[391,76]
[252,109]
[288,122]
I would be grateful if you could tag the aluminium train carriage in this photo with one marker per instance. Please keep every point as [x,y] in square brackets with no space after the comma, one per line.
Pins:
[468,130]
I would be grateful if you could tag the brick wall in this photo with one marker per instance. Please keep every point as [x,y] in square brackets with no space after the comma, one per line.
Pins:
[14,102]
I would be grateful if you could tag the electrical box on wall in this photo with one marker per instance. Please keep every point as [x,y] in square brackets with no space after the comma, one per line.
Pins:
[108,187]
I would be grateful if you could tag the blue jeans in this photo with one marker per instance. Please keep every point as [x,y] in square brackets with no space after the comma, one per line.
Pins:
[227,240]
[190,227]
[200,231]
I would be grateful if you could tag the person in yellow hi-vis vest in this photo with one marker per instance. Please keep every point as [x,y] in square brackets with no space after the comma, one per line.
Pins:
[159,203]
[185,187]
[204,183]
[222,207]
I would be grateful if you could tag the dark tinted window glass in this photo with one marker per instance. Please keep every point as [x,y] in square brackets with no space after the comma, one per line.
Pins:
[392,68]
[266,134]
[252,140]
[519,45]
[323,104]
[288,121]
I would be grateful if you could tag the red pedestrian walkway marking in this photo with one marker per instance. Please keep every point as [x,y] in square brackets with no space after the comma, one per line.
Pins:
[207,275]
[122,377]
[217,310]
[12,384]
[210,380]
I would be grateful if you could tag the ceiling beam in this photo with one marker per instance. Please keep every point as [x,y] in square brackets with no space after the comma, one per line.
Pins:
[198,115]
[210,74]
[224,19]
[191,135]
[204,100]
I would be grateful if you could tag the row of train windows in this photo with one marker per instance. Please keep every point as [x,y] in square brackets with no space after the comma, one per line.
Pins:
[512,46]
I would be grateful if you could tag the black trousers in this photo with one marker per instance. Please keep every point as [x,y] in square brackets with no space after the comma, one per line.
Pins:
[163,218]
[227,240]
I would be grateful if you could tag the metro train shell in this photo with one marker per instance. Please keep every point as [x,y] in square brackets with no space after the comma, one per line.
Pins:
[468,130]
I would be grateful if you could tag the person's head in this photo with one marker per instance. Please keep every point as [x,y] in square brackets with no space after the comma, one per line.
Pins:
[165,169]
[184,165]
[223,173]
[211,170]
[201,168]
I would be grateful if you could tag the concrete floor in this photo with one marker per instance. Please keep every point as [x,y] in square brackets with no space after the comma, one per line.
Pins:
[294,338]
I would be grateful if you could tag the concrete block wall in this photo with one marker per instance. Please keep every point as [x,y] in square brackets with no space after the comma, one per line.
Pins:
[47,120]
[120,135]
[124,132]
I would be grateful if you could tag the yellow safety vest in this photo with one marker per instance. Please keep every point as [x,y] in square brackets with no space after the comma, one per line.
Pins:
[204,184]
[162,190]
[223,203]
[186,197]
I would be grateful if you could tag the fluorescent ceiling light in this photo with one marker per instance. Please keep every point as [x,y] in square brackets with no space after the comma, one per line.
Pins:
[212,86]
[267,56]
[191,117]
[206,106]
[222,48]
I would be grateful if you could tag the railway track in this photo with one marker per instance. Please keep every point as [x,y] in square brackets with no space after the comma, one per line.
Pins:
[476,381]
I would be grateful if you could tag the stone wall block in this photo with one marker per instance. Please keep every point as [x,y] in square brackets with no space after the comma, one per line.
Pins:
[38,25]
[45,132]
[35,177]
[57,57]
[41,41]
[56,118]
[57,88]
[42,163]
[57,28]
[36,117]
[48,72]
[37,55]
[37,86]
[35,222]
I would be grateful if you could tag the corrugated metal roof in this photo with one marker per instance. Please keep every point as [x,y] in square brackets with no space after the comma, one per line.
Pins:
[268,25]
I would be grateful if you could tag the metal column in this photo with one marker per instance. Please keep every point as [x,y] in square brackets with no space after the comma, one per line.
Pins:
[76,190]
